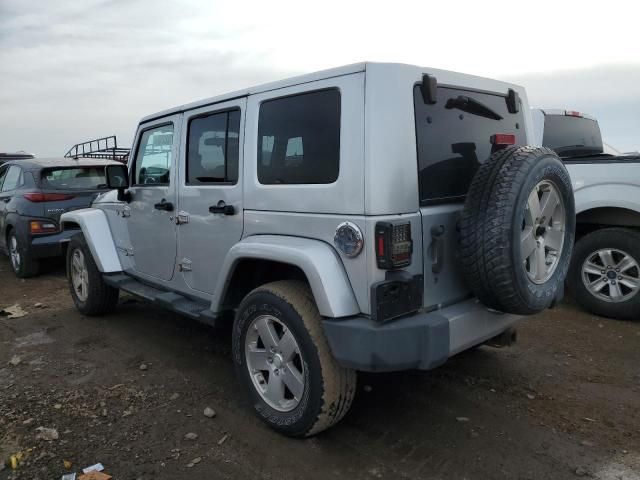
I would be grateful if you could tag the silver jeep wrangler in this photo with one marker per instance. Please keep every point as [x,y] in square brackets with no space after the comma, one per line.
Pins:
[373,217]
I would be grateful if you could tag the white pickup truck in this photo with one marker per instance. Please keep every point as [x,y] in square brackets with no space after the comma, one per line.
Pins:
[604,276]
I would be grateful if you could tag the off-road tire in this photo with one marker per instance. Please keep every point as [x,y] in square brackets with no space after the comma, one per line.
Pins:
[329,388]
[491,229]
[101,298]
[622,239]
[29,266]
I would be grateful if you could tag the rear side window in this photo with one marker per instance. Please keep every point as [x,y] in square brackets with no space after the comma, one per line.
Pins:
[85,178]
[299,139]
[213,150]
[12,179]
[572,136]
[153,158]
[454,138]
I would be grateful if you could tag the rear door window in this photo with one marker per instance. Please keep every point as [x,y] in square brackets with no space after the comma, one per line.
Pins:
[299,139]
[453,139]
[213,150]
[571,136]
[83,178]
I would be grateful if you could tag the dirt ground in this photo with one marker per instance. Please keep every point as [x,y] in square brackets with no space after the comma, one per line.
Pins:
[562,403]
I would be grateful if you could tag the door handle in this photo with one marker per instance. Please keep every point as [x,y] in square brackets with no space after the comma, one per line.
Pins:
[164,205]
[437,248]
[222,207]
[6,199]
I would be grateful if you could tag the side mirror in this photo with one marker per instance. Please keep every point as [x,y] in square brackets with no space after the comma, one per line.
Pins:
[117,177]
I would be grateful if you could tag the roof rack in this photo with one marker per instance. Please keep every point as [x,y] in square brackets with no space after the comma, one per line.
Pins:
[106,147]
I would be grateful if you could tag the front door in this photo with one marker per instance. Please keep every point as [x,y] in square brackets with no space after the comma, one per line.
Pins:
[210,201]
[151,224]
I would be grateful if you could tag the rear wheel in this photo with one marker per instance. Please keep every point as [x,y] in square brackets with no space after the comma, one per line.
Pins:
[604,276]
[284,363]
[22,262]
[91,295]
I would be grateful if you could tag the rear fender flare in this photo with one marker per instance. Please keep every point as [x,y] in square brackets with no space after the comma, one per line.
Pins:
[320,263]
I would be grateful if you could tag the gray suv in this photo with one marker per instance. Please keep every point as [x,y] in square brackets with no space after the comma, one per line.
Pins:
[373,217]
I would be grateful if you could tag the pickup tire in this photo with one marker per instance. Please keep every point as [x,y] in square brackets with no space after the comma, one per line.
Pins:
[517,230]
[91,295]
[284,363]
[604,276]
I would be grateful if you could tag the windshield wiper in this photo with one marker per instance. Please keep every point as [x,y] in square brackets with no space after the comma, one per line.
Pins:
[472,106]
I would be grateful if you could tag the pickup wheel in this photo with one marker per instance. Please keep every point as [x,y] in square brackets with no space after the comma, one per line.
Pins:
[91,295]
[284,363]
[22,262]
[604,276]
[517,230]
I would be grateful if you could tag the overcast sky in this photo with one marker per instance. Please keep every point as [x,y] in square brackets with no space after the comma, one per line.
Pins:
[75,70]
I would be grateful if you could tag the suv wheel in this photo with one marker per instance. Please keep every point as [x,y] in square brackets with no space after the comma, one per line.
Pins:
[604,276]
[89,292]
[22,263]
[284,363]
[517,230]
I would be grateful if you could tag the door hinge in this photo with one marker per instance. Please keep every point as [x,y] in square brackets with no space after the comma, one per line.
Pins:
[185,265]
[128,252]
[182,217]
[124,212]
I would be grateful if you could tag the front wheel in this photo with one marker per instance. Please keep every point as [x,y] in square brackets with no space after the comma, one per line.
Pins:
[604,276]
[284,363]
[91,295]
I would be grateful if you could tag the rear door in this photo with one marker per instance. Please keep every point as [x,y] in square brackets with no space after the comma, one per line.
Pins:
[210,199]
[151,213]
[453,138]
[3,206]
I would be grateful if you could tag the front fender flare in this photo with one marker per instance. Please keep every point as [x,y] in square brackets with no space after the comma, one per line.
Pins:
[95,227]
[319,262]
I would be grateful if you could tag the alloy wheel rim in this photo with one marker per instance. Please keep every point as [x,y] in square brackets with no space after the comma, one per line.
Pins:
[79,275]
[14,253]
[275,363]
[611,275]
[543,232]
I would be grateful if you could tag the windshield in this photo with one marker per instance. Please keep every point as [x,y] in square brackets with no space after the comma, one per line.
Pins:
[572,136]
[81,178]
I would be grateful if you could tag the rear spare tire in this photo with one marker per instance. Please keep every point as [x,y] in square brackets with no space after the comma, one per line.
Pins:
[517,230]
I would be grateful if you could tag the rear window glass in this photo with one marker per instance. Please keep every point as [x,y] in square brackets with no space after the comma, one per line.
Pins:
[83,178]
[299,139]
[454,137]
[572,136]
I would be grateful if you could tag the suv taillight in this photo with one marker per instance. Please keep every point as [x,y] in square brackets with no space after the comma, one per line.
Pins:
[39,197]
[393,245]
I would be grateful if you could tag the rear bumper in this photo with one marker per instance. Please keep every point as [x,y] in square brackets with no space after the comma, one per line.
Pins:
[421,341]
[50,245]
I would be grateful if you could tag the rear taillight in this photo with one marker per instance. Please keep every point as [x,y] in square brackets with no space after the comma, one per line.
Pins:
[47,197]
[393,245]
[42,226]
[503,139]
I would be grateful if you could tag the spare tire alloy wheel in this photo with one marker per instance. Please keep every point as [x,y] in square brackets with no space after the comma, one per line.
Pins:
[517,229]
[543,232]
[611,275]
